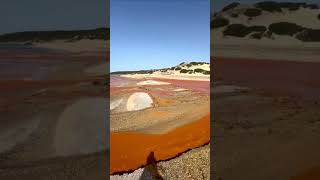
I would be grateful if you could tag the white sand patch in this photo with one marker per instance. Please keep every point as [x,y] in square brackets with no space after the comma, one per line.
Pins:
[136,175]
[138,101]
[11,136]
[195,77]
[114,104]
[152,82]
[180,89]
[82,128]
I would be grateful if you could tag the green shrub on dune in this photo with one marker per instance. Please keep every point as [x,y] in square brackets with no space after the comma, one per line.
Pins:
[240,30]
[252,12]
[198,70]
[273,6]
[285,28]
[257,35]
[219,22]
[270,6]
[309,35]
[45,36]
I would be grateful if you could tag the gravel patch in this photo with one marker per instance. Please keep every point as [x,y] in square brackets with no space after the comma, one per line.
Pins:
[192,165]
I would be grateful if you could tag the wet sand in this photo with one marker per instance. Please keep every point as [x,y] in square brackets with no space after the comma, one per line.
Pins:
[270,129]
[277,77]
[37,151]
[202,86]
[310,174]
[165,146]
[176,122]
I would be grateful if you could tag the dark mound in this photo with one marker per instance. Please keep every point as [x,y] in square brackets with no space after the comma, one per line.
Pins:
[45,36]
[219,22]
[252,12]
[285,28]
[240,30]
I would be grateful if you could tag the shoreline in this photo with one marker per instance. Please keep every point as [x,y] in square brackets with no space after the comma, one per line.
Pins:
[276,76]
[146,76]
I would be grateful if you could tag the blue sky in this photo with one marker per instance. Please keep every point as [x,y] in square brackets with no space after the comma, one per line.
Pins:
[217,5]
[149,34]
[29,15]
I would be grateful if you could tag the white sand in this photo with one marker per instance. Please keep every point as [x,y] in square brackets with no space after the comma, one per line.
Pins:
[136,175]
[82,128]
[199,66]
[115,103]
[163,76]
[19,132]
[152,82]
[174,74]
[76,46]
[139,101]
[180,89]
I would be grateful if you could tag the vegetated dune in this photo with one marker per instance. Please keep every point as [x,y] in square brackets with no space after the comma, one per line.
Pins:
[267,30]
[184,71]
[85,45]
[268,21]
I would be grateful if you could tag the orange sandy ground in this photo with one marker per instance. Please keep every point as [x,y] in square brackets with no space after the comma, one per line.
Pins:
[129,150]
[311,174]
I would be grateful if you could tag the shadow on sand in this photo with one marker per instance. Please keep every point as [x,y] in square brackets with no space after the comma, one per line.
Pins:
[151,171]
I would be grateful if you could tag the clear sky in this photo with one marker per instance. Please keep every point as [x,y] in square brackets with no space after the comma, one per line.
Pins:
[28,15]
[217,5]
[149,34]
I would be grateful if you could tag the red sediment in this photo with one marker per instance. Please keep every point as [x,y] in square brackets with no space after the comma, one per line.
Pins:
[129,150]
[116,88]
[203,86]
[275,76]
[311,174]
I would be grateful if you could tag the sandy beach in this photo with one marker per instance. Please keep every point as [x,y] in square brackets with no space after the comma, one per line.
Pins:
[267,111]
[168,127]
[47,139]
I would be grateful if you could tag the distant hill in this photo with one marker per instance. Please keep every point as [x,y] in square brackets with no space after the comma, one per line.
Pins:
[268,19]
[182,68]
[46,36]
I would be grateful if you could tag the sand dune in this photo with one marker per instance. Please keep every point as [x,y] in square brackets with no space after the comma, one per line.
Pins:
[152,82]
[76,46]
